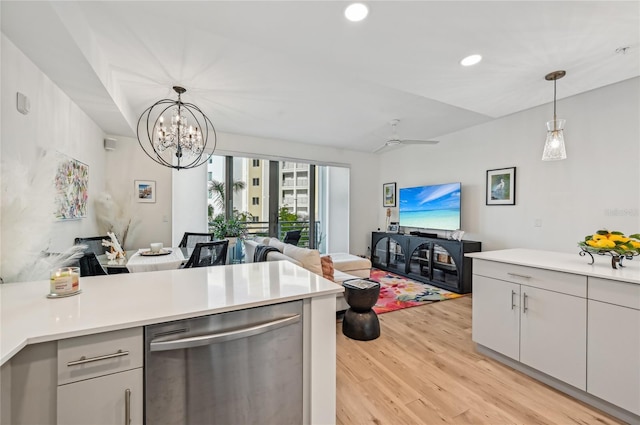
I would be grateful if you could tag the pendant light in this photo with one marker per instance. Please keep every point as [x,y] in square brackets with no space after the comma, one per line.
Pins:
[180,140]
[554,149]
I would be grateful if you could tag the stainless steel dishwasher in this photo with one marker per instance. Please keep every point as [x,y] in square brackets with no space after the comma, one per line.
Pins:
[241,367]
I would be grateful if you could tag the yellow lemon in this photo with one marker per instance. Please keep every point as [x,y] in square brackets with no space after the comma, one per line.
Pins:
[618,238]
[598,237]
[635,244]
[605,243]
[592,243]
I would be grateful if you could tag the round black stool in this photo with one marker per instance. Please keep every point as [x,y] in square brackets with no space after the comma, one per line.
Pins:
[360,321]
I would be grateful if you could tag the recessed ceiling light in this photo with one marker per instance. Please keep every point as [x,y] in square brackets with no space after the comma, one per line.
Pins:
[356,12]
[471,60]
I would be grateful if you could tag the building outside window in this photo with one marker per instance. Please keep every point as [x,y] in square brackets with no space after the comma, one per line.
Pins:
[255,200]
[256,162]
[256,181]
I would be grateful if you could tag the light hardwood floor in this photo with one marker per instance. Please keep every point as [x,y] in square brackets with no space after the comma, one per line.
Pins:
[424,370]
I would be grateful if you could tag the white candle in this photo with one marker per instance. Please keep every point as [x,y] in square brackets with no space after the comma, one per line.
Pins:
[65,280]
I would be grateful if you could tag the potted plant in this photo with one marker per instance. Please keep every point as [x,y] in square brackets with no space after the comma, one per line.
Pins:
[231,229]
[235,226]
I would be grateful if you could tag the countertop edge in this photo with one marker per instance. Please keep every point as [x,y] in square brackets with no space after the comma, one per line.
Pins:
[571,263]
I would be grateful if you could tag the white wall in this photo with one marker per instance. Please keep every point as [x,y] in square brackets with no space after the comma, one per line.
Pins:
[189,202]
[28,144]
[598,186]
[126,164]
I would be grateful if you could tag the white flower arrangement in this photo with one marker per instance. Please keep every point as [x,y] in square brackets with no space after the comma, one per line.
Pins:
[115,254]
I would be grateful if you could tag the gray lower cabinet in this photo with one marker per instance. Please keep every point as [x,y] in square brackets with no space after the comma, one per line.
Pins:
[515,313]
[581,330]
[613,356]
[107,400]
[100,379]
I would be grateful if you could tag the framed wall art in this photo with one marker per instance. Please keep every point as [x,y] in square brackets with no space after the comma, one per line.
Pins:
[389,195]
[72,189]
[145,191]
[501,186]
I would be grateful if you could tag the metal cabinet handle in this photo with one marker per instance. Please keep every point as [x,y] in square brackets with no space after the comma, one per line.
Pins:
[198,341]
[84,359]
[513,300]
[127,406]
[525,303]
[519,275]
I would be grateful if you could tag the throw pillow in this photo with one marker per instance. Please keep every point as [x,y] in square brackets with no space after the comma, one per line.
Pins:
[264,240]
[327,267]
[277,244]
[309,258]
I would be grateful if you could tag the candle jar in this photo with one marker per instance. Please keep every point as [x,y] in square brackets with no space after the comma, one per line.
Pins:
[64,281]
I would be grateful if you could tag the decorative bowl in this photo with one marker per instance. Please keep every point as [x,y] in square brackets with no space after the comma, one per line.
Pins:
[615,244]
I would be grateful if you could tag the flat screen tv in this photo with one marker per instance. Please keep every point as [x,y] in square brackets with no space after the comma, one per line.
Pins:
[431,207]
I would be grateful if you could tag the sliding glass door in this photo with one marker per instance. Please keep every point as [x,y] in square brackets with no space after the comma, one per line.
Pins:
[276,197]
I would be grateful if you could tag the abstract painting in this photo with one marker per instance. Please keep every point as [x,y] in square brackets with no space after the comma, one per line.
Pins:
[72,182]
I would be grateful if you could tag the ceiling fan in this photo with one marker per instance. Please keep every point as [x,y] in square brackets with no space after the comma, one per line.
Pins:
[394,140]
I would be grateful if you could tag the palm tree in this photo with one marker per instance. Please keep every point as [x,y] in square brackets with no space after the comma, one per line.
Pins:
[216,189]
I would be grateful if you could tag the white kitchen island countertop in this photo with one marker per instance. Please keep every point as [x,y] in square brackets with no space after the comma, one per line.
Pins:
[137,299]
[566,262]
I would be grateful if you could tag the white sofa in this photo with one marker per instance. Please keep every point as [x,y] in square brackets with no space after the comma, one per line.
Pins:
[346,266]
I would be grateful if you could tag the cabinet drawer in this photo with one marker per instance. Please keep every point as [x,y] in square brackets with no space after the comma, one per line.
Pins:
[566,283]
[95,355]
[614,292]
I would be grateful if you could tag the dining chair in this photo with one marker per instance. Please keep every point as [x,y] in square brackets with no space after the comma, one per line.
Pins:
[292,237]
[93,243]
[208,254]
[189,239]
[90,266]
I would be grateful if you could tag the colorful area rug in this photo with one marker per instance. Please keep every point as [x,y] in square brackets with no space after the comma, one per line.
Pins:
[397,292]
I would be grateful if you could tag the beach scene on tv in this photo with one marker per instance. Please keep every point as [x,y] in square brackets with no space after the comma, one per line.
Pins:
[431,207]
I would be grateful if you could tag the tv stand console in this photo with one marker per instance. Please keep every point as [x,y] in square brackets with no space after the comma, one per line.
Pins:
[438,262]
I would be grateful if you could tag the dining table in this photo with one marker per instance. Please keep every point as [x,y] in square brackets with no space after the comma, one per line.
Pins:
[143,260]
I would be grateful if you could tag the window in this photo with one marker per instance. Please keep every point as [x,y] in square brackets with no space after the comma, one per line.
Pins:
[284,195]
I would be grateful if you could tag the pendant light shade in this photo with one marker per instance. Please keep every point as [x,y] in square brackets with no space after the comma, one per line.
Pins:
[554,149]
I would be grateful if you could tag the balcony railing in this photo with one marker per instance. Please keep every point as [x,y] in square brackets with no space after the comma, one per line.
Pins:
[261,228]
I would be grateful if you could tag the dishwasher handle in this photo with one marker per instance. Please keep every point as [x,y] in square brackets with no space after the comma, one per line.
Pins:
[201,340]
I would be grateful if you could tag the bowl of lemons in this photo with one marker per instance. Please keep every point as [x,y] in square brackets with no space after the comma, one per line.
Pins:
[613,243]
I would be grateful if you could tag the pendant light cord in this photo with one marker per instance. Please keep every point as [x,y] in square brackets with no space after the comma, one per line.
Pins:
[554,100]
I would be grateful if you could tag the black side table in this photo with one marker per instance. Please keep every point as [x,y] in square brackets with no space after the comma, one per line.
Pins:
[360,321]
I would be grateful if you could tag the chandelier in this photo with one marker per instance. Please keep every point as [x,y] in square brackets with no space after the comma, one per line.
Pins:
[180,141]
[554,149]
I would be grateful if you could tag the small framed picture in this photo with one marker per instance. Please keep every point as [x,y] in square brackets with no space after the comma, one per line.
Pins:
[501,186]
[393,227]
[389,195]
[145,191]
